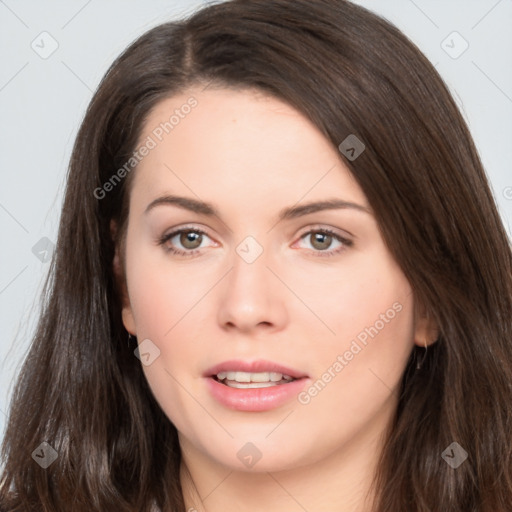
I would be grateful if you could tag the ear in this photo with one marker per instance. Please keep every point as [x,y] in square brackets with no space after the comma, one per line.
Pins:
[426,331]
[120,278]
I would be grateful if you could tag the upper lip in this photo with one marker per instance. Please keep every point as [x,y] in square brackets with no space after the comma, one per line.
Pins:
[258,366]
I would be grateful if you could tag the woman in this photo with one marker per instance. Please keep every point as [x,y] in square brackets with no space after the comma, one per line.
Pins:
[281,282]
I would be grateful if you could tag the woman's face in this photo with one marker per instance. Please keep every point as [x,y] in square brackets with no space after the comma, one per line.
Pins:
[266,283]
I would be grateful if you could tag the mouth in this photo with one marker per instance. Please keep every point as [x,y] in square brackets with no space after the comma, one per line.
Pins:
[253,374]
[254,386]
[255,380]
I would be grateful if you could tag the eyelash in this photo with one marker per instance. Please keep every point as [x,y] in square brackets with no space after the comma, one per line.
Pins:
[161,241]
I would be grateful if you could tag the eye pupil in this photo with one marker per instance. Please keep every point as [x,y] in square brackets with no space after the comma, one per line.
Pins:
[323,239]
[189,239]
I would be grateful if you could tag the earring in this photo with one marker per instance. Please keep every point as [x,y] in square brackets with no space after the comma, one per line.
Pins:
[420,364]
[130,339]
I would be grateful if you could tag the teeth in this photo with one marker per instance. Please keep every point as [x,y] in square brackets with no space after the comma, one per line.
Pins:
[246,377]
[249,385]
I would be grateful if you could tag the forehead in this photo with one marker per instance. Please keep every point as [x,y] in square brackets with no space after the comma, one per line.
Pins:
[242,145]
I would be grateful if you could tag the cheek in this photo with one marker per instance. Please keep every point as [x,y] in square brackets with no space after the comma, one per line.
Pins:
[166,306]
[162,295]
[356,372]
[167,313]
[375,304]
[364,291]
[368,307]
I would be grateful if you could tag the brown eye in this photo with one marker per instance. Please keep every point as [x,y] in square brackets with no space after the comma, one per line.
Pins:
[324,242]
[190,239]
[185,241]
[321,241]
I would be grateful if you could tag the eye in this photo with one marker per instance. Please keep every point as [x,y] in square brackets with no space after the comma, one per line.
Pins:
[321,240]
[184,241]
[189,240]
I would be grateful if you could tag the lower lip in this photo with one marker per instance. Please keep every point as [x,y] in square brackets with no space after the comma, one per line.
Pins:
[255,399]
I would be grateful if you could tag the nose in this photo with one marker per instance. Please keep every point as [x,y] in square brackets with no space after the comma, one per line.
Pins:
[252,298]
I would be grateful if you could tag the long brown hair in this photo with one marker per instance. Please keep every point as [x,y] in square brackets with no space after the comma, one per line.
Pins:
[82,391]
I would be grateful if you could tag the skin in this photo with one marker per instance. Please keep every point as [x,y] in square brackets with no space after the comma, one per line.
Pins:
[251,156]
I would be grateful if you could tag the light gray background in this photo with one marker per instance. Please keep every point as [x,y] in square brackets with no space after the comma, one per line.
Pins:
[42,101]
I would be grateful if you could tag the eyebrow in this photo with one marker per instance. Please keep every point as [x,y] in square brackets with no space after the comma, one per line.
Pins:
[292,212]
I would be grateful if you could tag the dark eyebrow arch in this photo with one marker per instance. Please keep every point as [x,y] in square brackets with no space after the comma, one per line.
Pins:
[204,208]
[328,204]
